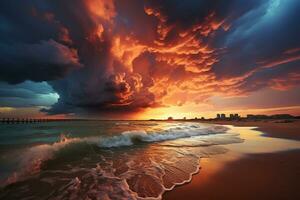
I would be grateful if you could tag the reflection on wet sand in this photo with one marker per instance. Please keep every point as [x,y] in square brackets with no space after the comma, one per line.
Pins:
[259,168]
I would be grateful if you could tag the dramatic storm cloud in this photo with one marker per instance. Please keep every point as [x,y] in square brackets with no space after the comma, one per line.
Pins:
[105,56]
[27,94]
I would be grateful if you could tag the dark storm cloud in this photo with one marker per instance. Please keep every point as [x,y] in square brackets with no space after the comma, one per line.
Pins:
[263,34]
[28,50]
[281,77]
[108,56]
[189,12]
[26,94]
[46,60]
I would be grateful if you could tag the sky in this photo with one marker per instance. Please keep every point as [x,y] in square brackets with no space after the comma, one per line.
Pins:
[142,59]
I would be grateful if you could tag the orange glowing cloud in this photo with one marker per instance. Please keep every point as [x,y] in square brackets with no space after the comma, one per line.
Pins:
[184,61]
[145,56]
[103,9]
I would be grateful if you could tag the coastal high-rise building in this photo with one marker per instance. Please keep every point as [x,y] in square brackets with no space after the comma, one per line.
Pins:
[234,116]
[250,116]
[223,116]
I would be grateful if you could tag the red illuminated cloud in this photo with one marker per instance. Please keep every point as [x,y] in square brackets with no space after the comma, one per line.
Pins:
[115,56]
[173,68]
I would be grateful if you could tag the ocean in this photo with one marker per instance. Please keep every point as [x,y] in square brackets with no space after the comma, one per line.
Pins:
[104,159]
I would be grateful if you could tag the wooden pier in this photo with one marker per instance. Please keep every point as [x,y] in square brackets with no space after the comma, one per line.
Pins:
[27,120]
[37,120]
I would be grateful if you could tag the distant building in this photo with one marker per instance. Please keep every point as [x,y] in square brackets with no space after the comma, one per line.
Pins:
[184,118]
[282,116]
[223,116]
[277,116]
[170,118]
[249,116]
[234,116]
[257,117]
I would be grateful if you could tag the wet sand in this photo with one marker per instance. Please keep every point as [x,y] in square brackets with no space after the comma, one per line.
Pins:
[260,168]
[271,128]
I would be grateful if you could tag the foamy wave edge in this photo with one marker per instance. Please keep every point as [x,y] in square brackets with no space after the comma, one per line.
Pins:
[33,158]
[129,138]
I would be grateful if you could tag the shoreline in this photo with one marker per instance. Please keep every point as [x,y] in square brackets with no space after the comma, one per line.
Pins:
[265,166]
[269,128]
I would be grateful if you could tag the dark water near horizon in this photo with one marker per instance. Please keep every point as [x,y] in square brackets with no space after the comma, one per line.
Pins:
[103,159]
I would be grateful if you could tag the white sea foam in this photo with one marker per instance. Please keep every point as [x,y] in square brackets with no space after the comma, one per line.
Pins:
[31,159]
[129,138]
[170,158]
[122,123]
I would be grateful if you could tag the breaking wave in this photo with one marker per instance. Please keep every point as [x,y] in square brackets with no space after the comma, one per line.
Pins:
[129,138]
[155,160]
[31,160]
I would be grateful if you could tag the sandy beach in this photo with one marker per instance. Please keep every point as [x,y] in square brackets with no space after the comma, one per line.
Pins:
[271,128]
[265,166]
